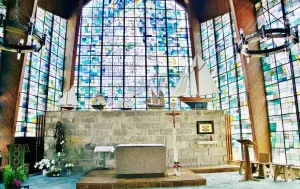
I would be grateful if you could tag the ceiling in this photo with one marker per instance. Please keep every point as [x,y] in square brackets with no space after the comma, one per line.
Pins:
[203,9]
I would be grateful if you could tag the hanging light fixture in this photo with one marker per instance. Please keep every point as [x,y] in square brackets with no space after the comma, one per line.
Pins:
[28,32]
[289,35]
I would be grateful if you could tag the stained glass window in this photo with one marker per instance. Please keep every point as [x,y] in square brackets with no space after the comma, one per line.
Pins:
[43,76]
[281,75]
[130,48]
[218,52]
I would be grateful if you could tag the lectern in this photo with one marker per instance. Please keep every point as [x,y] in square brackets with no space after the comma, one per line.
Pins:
[248,170]
[16,156]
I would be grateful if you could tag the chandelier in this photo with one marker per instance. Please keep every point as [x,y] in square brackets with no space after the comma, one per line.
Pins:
[17,28]
[290,37]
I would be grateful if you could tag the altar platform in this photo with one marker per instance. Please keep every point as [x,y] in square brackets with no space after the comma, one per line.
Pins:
[105,179]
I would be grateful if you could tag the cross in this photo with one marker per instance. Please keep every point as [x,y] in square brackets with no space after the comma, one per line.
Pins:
[174,115]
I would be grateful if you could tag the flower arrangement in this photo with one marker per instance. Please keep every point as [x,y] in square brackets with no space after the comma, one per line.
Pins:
[48,167]
[177,166]
[69,166]
[44,164]
[18,183]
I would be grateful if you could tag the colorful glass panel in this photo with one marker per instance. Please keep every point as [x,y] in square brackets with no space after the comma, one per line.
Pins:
[130,48]
[43,76]
[225,66]
[281,81]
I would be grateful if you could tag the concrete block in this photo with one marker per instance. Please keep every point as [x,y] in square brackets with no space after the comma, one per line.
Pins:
[217,151]
[53,114]
[119,132]
[143,125]
[186,152]
[129,113]
[166,131]
[114,114]
[199,152]
[183,144]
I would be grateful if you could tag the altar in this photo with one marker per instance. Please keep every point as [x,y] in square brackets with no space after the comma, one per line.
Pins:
[86,130]
[141,160]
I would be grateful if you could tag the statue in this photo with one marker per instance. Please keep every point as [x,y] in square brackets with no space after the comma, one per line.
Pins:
[60,137]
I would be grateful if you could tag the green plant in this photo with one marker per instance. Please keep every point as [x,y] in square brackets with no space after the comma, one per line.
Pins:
[21,173]
[10,176]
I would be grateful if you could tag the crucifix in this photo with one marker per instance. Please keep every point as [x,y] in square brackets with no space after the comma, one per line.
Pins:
[173,114]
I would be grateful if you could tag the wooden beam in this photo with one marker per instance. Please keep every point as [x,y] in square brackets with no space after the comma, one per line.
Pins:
[11,76]
[244,17]
[79,11]
[190,17]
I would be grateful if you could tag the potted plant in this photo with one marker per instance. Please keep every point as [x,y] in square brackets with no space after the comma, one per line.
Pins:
[177,167]
[69,167]
[13,179]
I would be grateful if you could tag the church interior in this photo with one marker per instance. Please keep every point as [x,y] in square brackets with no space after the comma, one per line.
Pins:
[107,94]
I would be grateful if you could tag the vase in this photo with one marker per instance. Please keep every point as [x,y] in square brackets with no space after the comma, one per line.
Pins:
[69,171]
[177,172]
[45,172]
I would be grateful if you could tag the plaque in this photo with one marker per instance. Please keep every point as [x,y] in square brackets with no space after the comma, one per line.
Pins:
[205,127]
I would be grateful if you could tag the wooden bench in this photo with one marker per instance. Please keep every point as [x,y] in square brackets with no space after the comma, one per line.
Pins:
[263,166]
[263,169]
[285,171]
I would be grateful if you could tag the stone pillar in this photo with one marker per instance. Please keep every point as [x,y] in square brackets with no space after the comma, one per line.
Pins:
[244,17]
[12,74]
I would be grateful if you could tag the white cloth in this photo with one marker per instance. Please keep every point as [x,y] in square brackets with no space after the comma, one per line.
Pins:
[104,149]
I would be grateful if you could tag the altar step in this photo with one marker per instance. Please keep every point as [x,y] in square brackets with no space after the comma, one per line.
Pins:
[215,169]
[105,179]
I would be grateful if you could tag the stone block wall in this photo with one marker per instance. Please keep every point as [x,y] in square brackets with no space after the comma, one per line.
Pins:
[85,130]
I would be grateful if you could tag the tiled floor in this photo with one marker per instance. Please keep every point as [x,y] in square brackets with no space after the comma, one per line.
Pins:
[214,181]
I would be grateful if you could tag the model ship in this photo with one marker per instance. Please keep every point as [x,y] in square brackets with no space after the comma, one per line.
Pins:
[200,82]
[157,102]
[98,102]
[126,104]
[68,100]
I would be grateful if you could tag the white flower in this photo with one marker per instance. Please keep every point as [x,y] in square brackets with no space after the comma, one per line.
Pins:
[53,161]
[58,154]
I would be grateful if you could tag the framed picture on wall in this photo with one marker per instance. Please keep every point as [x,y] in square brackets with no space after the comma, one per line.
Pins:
[205,127]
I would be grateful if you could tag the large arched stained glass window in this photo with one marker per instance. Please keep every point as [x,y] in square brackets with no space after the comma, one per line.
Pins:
[129,48]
